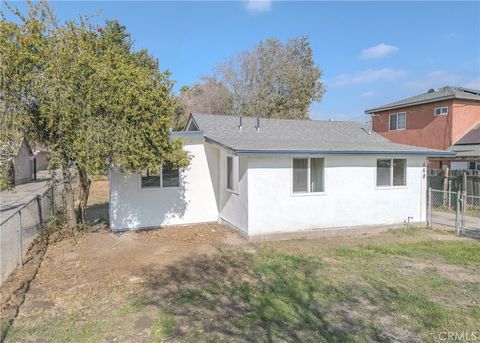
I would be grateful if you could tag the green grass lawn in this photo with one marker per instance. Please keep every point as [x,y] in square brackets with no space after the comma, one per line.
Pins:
[395,291]
[405,292]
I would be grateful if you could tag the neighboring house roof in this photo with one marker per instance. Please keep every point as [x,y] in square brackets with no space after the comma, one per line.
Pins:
[466,151]
[471,137]
[286,136]
[12,148]
[469,145]
[444,93]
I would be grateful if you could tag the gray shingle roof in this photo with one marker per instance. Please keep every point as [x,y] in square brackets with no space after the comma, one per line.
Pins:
[471,137]
[466,151]
[299,136]
[444,93]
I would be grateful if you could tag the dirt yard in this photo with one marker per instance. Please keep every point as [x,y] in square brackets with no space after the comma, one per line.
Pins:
[207,283]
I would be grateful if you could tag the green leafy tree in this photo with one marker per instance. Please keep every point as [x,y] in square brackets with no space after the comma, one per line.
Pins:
[85,94]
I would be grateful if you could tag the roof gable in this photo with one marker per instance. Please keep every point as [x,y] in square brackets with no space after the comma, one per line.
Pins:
[471,137]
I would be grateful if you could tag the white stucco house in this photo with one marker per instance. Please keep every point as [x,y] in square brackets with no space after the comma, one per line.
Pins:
[272,176]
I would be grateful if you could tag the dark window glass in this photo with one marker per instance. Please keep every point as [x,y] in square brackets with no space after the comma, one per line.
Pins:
[399,172]
[316,175]
[170,176]
[229,172]
[150,179]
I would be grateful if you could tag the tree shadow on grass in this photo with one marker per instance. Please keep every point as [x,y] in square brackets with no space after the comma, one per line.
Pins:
[243,297]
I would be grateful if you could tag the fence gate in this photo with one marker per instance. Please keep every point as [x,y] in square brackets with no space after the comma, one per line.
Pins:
[469,216]
[454,209]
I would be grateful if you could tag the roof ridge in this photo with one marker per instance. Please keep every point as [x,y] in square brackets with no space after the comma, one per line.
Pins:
[282,119]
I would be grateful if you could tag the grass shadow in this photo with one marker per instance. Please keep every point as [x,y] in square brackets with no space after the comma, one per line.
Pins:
[240,296]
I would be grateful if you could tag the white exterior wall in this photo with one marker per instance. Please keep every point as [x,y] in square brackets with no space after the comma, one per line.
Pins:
[233,206]
[23,165]
[193,202]
[351,197]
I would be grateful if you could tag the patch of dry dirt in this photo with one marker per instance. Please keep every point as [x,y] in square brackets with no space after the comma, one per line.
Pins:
[449,271]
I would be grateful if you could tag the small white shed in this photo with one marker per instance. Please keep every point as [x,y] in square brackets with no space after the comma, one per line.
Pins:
[272,176]
[23,164]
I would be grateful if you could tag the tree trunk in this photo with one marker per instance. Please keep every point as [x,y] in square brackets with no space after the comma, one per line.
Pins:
[69,198]
[84,193]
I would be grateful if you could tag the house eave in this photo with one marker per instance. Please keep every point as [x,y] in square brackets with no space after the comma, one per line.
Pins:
[414,103]
[185,134]
[280,153]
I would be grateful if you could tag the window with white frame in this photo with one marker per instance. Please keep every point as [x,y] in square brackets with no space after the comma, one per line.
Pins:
[398,121]
[391,172]
[441,111]
[308,175]
[474,165]
[232,173]
[168,176]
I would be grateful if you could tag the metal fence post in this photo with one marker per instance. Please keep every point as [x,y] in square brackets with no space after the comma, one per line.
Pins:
[53,201]
[39,205]
[429,207]
[20,238]
[457,213]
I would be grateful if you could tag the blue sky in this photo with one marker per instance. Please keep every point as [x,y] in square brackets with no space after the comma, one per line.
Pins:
[371,53]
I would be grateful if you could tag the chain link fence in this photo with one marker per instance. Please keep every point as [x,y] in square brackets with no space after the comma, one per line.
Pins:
[19,230]
[454,209]
[470,216]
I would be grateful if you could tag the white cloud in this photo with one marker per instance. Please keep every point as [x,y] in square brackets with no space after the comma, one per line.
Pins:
[257,6]
[367,76]
[435,79]
[368,94]
[377,51]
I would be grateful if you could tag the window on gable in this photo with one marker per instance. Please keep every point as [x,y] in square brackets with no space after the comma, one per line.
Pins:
[308,175]
[441,111]
[398,121]
[391,172]
[232,173]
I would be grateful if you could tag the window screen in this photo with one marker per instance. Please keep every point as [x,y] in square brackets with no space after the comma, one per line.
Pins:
[399,172]
[383,173]
[316,174]
[300,175]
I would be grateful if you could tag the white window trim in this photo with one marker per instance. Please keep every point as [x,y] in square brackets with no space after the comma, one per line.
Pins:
[441,114]
[236,176]
[308,193]
[391,186]
[396,114]
[161,181]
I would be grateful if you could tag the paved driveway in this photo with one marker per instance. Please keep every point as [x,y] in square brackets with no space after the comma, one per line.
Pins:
[11,201]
